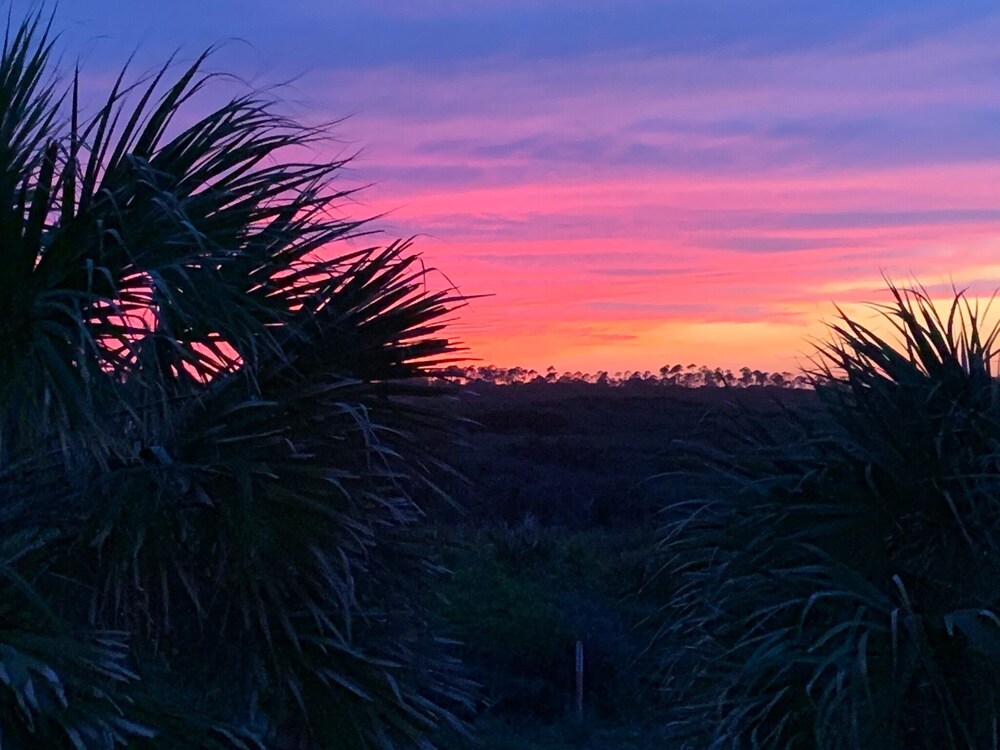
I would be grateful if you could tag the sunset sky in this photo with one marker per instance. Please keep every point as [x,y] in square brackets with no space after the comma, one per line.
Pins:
[635,183]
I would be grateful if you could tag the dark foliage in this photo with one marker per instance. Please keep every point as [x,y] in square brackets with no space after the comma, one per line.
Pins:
[842,591]
[214,402]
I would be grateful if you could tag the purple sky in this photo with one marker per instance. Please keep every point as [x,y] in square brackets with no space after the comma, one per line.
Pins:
[636,183]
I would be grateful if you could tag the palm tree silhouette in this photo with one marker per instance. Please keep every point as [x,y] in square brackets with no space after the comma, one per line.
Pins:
[211,391]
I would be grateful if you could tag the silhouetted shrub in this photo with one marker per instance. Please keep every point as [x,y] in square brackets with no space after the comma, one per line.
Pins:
[515,639]
[523,595]
[843,591]
[211,426]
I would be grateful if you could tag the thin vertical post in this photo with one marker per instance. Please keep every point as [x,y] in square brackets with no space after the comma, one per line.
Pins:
[579,680]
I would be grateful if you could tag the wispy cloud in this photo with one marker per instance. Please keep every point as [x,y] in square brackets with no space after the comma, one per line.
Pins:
[642,181]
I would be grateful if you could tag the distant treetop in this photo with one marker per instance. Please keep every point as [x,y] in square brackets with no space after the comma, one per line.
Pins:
[684,376]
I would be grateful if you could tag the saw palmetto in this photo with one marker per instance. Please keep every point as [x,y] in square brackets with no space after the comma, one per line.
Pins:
[215,393]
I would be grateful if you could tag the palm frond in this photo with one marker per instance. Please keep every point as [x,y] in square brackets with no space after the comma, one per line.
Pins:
[221,403]
[58,686]
[841,591]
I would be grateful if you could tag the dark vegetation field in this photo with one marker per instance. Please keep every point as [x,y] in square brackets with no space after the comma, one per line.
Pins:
[561,511]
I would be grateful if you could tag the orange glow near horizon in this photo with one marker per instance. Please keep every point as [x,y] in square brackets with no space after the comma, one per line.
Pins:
[627,212]
[640,183]
[746,284]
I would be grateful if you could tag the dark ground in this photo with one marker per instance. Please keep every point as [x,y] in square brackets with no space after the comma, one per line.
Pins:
[556,543]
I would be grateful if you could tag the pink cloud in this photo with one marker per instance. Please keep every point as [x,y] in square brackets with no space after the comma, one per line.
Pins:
[631,204]
[626,211]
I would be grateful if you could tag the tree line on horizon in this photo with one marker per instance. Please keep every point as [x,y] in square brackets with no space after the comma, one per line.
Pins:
[684,376]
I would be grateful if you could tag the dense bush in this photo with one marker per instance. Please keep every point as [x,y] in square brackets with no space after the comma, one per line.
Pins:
[212,402]
[516,640]
[520,598]
[844,590]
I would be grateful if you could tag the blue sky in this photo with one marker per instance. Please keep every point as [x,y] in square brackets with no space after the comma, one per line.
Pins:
[635,182]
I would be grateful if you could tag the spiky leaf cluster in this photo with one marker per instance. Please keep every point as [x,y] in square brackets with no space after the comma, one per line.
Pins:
[214,402]
[842,591]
